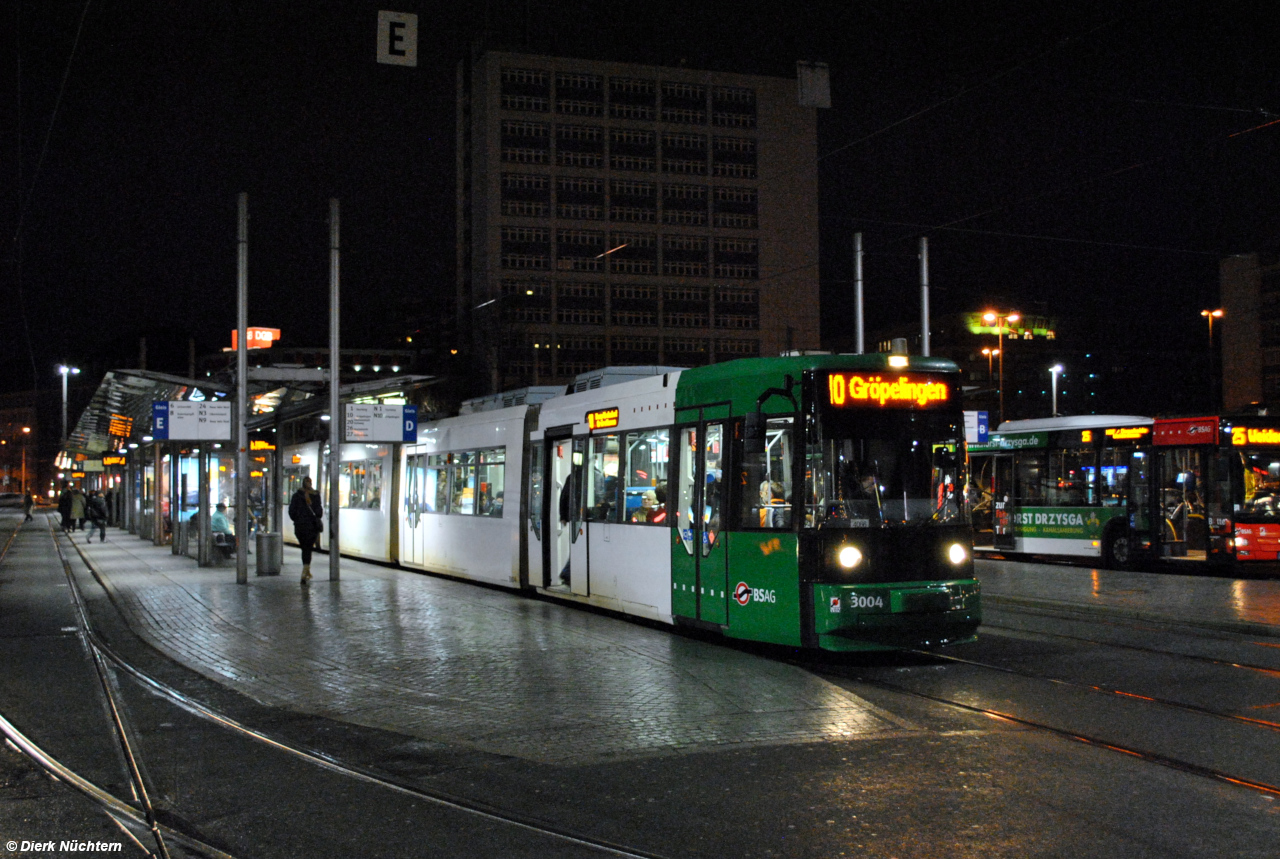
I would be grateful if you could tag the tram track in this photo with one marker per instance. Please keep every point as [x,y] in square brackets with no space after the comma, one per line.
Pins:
[1095,738]
[162,824]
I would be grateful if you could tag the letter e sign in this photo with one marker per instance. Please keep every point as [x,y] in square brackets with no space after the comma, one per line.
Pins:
[398,38]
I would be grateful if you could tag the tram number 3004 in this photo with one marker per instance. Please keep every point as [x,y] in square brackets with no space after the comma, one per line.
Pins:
[856,601]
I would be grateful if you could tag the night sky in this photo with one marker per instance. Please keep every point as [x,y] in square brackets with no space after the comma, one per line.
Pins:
[1085,160]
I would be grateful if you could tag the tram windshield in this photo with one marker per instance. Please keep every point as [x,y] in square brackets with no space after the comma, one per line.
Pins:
[885,469]
[1261,486]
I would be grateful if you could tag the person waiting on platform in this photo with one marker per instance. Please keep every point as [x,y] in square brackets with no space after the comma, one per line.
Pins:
[224,537]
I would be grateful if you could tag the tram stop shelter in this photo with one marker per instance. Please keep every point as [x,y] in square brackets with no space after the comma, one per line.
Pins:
[164,490]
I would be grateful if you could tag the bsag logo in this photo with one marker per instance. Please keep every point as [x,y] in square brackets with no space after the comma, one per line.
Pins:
[744,594]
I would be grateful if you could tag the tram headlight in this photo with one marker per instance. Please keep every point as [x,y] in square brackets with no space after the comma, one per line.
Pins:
[957,554]
[849,557]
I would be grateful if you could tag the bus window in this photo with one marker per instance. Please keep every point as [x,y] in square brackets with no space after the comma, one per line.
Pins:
[1115,471]
[1070,478]
[1030,479]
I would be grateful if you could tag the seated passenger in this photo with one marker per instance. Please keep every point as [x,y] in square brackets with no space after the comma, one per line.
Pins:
[658,514]
[648,503]
[224,537]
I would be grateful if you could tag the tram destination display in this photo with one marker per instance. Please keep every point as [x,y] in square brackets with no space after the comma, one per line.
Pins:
[191,420]
[378,422]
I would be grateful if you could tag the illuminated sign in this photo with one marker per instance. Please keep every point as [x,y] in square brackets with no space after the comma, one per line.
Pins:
[1127,433]
[255,338]
[296,459]
[855,389]
[120,426]
[1086,435]
[602,419]
[114,459]
[259,444]
[1254,435]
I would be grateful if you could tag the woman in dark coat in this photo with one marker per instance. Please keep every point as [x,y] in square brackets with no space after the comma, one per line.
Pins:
[308,521]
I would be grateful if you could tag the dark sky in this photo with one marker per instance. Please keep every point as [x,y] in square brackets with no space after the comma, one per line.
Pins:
[1092,160]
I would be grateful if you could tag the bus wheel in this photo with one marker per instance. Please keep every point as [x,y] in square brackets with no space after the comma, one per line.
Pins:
[1116,552]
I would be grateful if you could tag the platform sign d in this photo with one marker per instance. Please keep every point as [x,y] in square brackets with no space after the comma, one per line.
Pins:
[376,422]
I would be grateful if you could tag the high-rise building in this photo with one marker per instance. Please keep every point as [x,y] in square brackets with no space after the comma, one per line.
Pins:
[1250,329]
[622,214]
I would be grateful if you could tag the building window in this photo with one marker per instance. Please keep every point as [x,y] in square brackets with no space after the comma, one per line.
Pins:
[635,318]
[565,80]
[526,77]
[638,291]
[633,214]
[731,295]
[630,86]
[736,246]
[526,261]
[733,95]
[688,142]
[630,111]
[630,137]
[734,171]
[570,158]
[684,192]
[683,91]
[682,115]
[686,293]
[739,321]
[518,128]
[734,221]
[682,268]
[576,316]
[631,162]
[684,320]
[528,288]
[681,346]
[579,185]
[623,188]
[523,155]
[580,290]
[524,209]
[524,102]
[685,243]
[739,145]
[737,347]
[684,165]
[724,119]
[631,266]
[580,212]
[519,182]
[739,271]
[525,234]
[586,133]
[684,217]
[578,107]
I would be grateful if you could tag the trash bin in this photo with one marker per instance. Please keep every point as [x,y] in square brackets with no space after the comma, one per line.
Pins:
[270,553]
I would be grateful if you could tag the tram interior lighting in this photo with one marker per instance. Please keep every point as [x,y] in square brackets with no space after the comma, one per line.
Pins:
[849,557]
[956,554]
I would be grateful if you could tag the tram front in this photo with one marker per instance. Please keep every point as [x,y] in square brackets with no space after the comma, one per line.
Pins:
[886,544]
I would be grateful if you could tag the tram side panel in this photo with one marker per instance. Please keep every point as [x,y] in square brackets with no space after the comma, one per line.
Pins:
[599,527]
[459,497]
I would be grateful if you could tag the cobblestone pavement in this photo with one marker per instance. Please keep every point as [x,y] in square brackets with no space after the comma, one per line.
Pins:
[462,665]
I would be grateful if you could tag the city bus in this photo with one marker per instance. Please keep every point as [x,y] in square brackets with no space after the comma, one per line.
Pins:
[1131,490]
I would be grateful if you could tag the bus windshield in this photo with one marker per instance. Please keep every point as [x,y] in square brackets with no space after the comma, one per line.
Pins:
[885,469]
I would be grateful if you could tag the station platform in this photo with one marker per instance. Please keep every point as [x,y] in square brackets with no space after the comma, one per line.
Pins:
[465,666]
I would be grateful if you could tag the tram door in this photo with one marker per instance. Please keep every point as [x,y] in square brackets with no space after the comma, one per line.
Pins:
[700,574]
[564,561]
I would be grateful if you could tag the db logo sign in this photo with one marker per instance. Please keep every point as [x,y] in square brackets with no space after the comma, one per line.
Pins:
[742,593]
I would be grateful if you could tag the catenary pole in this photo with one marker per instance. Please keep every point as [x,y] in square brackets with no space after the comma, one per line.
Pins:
[335,379]
[924,296]
[242,394]
[857,290]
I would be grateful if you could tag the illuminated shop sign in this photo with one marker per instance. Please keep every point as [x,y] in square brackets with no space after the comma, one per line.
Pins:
[1254,435]
[857,389]
[1127,433]
[114,459]
[602,419]
[259,444]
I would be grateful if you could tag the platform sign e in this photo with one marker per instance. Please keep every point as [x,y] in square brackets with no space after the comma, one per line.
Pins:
[191,420]
[398,38]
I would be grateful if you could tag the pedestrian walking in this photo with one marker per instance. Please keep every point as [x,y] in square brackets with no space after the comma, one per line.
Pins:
[64,507]
[78,511]
[308,521]
[28,500]
[96,508]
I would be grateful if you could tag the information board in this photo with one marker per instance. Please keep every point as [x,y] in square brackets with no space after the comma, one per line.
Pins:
[191,420]
[375,422]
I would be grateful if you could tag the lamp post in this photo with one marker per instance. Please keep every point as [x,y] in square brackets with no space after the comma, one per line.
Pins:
[64,371]
[990,353]
[1211,315]
[999,320]
[26,440]
[1053,372]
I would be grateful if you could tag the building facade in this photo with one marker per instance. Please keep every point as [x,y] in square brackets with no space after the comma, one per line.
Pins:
[1250,326]
[620,214]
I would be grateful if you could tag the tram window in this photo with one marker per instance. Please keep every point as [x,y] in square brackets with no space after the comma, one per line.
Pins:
[435,491]
[645,489]
[688,467]
[1070,479]
[414,478]
[601,500]
[462,483]
[769,475]
[713,493]
[360,484]
[490,494]
[536,458]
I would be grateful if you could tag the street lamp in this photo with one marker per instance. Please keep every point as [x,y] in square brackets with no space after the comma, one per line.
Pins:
[990,353]
[991,317]
[64,371]
[1054,371]
[1213,398]
[26,441]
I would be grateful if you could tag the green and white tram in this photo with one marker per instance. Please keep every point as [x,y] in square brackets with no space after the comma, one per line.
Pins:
[812,501]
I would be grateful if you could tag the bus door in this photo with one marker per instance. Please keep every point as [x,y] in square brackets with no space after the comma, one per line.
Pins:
[1146,518]
[1004,535]
[700,566]
[562,520]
